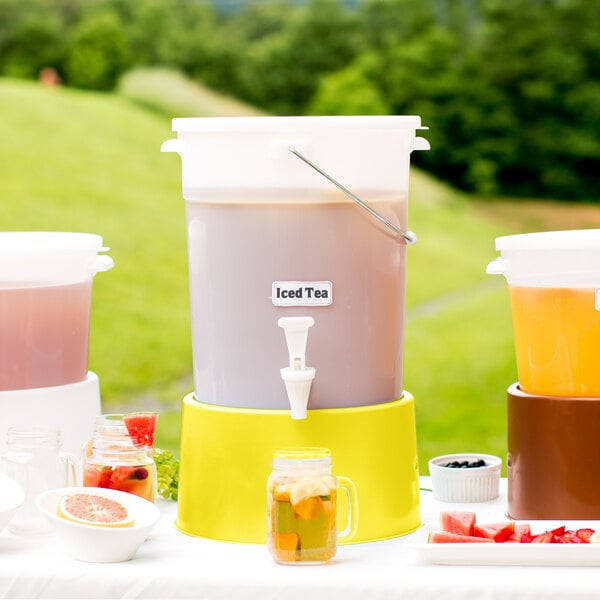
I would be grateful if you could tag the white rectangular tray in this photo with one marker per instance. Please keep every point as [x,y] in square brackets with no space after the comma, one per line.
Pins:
[507,553]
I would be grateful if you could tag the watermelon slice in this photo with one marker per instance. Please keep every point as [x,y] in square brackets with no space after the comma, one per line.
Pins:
[522,533]
[141,427]
[461,522]
[495,531]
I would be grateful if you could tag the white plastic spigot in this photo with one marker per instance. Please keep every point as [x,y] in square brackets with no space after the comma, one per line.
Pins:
[297,376]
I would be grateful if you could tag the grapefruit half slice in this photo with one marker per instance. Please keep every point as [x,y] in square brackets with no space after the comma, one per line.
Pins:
[94,509]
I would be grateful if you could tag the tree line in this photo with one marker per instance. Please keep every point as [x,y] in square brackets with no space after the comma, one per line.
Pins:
[509,88]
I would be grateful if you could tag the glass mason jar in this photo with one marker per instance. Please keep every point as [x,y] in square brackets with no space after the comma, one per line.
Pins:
[34,459]
[302,506]
[116,463]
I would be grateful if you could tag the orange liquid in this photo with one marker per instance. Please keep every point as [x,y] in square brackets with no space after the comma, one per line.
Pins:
[557,340]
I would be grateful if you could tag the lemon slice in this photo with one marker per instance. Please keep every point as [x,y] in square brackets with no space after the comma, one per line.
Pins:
[281,493]
[94,509]
[308,487]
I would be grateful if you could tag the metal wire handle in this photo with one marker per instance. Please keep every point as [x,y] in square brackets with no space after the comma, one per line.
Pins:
[409,236]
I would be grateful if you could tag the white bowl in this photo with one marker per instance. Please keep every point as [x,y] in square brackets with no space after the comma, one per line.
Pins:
[93,543]
[474,484]
[12,496]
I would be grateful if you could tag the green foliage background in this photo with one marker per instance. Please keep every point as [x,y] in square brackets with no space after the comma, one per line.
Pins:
[510,88]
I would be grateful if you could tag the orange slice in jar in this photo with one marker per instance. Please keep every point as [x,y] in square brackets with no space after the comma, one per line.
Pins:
[305,496]
[287,541]
[309,508]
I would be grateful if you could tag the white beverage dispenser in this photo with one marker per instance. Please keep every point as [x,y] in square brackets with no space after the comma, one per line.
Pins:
[297,242]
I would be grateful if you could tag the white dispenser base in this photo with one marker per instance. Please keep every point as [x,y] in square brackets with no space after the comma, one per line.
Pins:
[72,408]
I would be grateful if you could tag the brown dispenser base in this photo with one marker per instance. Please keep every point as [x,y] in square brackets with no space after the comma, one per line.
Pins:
[553,456]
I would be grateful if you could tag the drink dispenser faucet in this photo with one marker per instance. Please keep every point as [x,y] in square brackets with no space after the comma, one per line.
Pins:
[297,377]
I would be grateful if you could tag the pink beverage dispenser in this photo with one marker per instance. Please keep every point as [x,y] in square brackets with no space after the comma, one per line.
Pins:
[297,243]
[45,300]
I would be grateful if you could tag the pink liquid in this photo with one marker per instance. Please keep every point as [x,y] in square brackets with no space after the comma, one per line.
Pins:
[236,252]
[44,333]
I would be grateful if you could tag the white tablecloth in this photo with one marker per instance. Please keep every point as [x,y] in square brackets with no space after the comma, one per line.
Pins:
[173,565]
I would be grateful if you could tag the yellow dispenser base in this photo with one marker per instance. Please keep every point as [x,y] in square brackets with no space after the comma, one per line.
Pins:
[226,458]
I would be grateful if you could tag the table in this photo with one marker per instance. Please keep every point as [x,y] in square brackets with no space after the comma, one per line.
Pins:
[171,564]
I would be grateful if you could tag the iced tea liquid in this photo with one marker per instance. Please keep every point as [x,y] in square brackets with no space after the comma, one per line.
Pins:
[242,242]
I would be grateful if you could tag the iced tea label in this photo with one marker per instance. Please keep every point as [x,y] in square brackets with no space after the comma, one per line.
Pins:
[302,293]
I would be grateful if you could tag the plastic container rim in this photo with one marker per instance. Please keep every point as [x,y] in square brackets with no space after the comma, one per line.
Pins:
[573,239]
[32,242]
[298,124]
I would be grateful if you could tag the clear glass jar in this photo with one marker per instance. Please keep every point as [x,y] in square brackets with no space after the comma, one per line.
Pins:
[302,506]
[115,463]
[33,458]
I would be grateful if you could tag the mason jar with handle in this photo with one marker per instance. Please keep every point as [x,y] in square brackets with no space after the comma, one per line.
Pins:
[302,506]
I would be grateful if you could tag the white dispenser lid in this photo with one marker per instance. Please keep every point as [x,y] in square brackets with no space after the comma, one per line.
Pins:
[253,153]
[50,257]
[569,258]
[577,239]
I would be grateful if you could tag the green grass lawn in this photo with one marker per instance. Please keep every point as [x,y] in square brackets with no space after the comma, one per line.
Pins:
[81,161]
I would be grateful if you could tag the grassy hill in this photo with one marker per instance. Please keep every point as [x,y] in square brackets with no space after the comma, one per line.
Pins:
[81,161]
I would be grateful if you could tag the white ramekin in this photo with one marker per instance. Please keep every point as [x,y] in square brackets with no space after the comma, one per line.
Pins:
[474,484]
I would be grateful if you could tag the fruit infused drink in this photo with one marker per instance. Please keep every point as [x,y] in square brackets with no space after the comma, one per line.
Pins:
[303,530]
[116,463]
[556,338]
[135,479]
[301,506]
